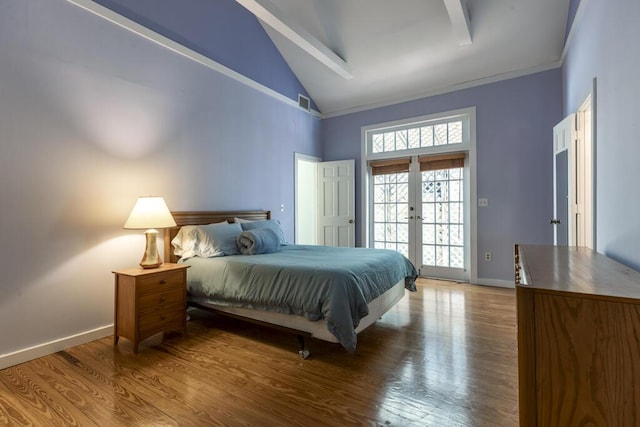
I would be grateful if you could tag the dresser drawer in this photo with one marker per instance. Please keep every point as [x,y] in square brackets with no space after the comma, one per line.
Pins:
[164,297]
[159,282]
[154,321]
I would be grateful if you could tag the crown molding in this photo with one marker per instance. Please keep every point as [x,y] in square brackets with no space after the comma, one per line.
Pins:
[574,25]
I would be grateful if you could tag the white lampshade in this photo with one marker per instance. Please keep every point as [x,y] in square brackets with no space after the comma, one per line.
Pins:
[150,212]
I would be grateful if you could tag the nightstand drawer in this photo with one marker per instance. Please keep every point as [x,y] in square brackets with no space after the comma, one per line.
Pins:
[167,296]
[159,282]
[154,321]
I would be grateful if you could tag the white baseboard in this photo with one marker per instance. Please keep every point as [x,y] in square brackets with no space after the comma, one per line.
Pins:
[496,283]
[24,355]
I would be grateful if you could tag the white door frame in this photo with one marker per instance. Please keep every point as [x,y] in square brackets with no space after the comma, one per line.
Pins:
[586,171]
[298,208]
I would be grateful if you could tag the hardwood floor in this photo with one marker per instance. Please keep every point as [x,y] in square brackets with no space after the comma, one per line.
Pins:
[444,356]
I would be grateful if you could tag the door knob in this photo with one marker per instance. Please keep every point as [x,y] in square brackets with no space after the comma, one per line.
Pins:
[351,221]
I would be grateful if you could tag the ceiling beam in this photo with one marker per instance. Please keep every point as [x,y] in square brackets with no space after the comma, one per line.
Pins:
[273,17]
[459,15]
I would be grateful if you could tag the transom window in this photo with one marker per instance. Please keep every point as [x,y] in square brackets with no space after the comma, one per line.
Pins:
[417,137]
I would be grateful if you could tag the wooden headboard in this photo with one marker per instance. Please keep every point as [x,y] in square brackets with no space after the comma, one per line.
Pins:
[202,218]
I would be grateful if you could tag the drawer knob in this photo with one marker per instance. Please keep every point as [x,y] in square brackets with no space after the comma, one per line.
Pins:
[163,282]
[162,299]
[162,317]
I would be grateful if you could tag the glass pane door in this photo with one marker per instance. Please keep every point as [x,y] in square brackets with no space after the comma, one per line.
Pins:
[391,212]
[442,248]
[422,216]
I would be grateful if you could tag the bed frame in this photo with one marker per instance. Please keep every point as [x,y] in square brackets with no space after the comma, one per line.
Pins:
[296,325]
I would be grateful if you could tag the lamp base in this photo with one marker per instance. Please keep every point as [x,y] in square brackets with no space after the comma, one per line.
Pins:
[149,266]
[151,257]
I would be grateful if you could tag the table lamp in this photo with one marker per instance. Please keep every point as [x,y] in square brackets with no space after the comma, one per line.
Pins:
[150,213]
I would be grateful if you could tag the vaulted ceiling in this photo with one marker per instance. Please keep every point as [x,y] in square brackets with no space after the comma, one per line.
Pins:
[358,54]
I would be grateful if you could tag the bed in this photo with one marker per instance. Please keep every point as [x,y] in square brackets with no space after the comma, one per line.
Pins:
[326,293]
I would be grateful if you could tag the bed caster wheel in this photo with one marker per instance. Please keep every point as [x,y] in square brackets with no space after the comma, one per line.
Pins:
[304,353]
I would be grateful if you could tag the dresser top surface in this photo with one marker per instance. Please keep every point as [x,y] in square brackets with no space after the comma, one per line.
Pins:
[577,270]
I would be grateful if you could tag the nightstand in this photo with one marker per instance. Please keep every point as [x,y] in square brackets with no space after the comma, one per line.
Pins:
[148,301]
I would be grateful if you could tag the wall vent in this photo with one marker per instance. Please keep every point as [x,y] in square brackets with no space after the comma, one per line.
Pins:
[304,102]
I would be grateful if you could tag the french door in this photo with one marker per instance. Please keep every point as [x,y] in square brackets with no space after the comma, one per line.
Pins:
[420,210]
[419,175]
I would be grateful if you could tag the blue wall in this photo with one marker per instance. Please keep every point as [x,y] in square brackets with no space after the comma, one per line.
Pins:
[221,30]
[93,116]
[605,46]
[514,150]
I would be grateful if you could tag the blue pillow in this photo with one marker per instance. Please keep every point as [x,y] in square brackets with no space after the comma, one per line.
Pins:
[273,224]
[218,239]
[259,241]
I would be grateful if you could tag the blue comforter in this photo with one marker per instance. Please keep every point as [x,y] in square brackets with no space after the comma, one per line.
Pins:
[312,281]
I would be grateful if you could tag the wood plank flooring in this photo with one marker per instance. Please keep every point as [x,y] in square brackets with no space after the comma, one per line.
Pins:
[444,356]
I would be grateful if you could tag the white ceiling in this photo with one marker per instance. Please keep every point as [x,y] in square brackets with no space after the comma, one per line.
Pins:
[406,49]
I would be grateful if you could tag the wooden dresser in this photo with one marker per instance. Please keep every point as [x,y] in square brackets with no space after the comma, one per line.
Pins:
[578,338]
[149,301]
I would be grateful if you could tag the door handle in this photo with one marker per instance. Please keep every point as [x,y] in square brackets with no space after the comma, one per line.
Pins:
[351,221]
[555,221]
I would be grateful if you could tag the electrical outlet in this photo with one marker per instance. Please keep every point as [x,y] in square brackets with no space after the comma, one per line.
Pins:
[483,202]
[488,256]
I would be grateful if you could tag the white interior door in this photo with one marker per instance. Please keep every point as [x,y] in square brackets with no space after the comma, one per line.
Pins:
[565,209]
[336,203]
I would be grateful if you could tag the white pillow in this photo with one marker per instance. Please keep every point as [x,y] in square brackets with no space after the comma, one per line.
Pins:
[186,241]
[218,239]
